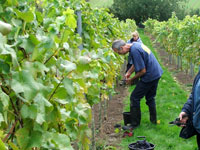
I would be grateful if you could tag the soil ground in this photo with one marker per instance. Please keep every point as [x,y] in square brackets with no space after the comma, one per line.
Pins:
[107,135]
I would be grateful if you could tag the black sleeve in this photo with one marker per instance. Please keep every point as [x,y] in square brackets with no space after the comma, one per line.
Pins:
[188,106]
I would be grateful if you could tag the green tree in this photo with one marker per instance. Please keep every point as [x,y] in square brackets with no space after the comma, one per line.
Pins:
[141,10]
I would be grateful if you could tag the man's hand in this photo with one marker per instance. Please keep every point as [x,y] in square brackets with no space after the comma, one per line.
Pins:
[129,72]
[129,81]
[183,118]
[127,76]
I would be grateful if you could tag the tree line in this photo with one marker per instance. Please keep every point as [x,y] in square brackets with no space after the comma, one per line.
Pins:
[141,10]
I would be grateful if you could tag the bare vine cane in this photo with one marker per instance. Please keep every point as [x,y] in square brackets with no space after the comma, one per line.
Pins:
[105,108]
[100,111]
[93,131]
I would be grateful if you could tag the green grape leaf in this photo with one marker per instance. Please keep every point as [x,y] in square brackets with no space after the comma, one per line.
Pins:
[68,84]
[2,42]
[36,139]
[84,113]
[62,141]
[12,2]
[2,2]
[23,82]
[61,93]
[84,59]
[47,42]
[23,137]
[29,111]
[41,100]
[1,118]
[7,50]
[60,20]
[40,117]
[47,33]
[34,39]
[26,16]
[66,65]
[41,103]
[66,35]
[28,45]
[4,98]
[39,16]
[92,74]
[82,67]
[10,51]
[4,67]
[53,115]
[70,19]
[13,146]
[16,22]
[51,62]
[66,46]
[2,145]
[38,127]
[65,114]
[36,67]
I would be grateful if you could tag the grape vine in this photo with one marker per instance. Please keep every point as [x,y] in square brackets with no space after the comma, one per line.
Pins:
[48,85]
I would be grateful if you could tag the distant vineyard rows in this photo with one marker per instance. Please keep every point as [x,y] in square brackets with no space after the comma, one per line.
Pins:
[179,37]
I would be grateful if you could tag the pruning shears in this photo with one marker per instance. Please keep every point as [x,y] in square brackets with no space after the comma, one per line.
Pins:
[177,122]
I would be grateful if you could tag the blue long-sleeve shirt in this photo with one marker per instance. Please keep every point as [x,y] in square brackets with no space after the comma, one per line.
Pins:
[196,115]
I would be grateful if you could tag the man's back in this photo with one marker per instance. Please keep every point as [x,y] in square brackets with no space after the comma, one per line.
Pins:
[142,57]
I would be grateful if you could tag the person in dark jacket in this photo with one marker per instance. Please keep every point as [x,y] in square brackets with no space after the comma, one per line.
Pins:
[148,70]
[135,38]
[191,108]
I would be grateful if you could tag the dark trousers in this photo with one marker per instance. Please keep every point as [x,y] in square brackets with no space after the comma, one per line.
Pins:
[144,89]
[198,140]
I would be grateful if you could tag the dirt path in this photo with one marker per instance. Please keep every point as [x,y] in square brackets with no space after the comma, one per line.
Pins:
[107,135]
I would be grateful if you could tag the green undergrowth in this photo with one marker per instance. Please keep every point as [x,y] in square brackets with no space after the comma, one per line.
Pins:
[170,99]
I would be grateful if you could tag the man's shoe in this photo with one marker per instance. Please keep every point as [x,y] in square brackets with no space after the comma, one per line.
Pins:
[127,133]
[153,114]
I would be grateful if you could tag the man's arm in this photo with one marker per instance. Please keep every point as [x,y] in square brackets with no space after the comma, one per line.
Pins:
[183,118]
[129,72]
[186,111]
[187,108]
[137,75]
